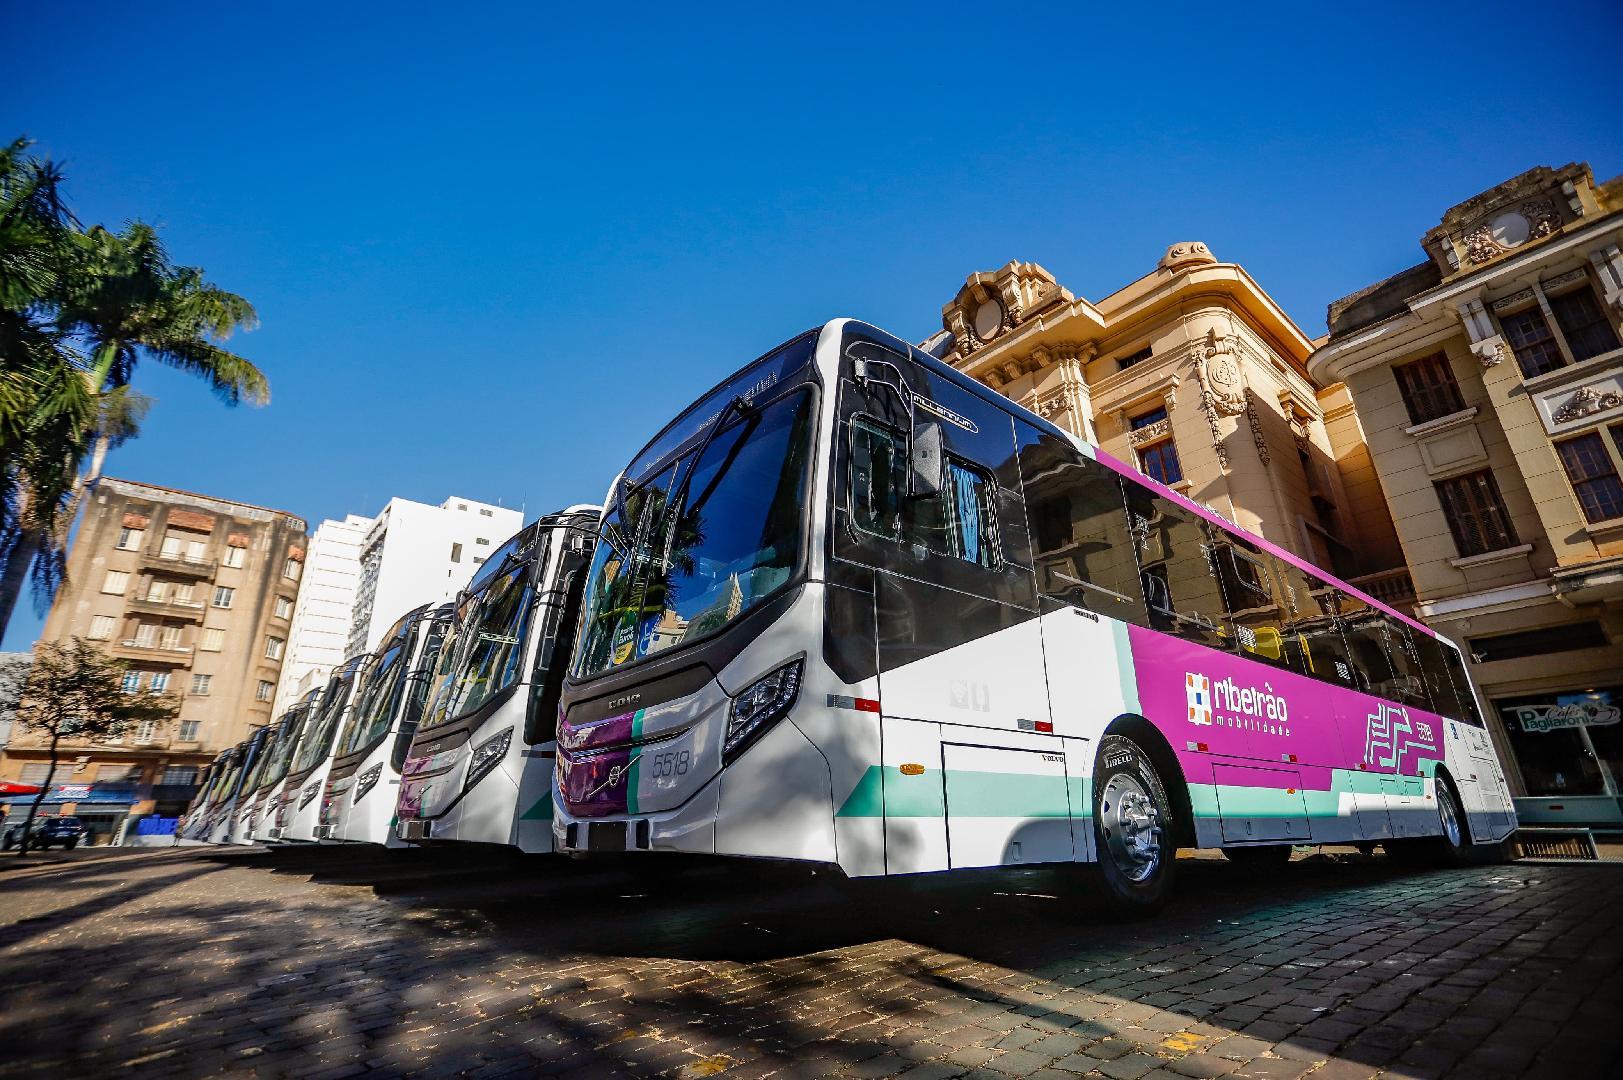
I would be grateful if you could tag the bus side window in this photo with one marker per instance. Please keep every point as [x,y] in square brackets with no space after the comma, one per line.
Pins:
[1469,713]
[1082,549]
[1176,571]
[1410,685]
[1434,670]
[1363,629]
[958,521]
[1251,594]
[1313,633]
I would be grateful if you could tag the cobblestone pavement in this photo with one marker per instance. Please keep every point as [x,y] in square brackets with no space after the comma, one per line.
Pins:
[338,962]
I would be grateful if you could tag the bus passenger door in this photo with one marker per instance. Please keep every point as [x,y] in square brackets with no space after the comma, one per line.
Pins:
[956,633]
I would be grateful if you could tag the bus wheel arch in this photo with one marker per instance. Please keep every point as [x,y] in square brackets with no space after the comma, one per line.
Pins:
[1155,745]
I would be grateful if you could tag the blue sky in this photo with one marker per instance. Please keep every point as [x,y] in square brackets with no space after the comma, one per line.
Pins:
[494,247]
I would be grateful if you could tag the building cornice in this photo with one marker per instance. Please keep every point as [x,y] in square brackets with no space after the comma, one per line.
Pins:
[1335,361]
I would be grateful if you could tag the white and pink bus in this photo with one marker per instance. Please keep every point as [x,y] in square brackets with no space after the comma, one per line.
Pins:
[852,607]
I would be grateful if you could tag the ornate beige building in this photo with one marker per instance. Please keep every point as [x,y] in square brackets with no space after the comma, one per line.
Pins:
[197,594]
[1489,381]
[1196,376]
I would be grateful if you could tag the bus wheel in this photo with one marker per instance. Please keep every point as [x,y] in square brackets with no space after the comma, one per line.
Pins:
[1132,827]
[1451,848]
[1264,857]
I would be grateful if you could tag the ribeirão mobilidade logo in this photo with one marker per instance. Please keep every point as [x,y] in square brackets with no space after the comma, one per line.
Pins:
[1226,703]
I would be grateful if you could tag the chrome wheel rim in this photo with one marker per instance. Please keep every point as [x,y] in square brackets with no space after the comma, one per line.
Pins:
[1451,820]
[1132,827]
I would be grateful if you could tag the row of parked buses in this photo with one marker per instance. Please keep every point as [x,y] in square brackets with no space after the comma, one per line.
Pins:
[852,608]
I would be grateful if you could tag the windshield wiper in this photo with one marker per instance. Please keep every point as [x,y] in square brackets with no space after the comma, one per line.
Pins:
[736,405]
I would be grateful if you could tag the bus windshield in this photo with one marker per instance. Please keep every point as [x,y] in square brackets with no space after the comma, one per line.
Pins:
[482,654]
[281,751]
[380,692]
[322,723]
[701,541]
[251,781]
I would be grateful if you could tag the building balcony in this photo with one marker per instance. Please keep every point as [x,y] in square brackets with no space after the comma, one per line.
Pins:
[176,563]
[1394,588]
[192,610]
[135,650]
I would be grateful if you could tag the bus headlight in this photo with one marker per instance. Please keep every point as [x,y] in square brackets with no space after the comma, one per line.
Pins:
[486,755]
[309,793]
[762,702]
[367,781]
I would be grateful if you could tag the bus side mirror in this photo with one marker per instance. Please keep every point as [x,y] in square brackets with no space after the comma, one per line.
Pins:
[927,466]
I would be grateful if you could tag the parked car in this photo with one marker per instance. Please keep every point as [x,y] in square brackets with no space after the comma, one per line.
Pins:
[48,832]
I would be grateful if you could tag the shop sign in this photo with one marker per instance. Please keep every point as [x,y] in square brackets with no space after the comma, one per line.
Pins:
[1559,716]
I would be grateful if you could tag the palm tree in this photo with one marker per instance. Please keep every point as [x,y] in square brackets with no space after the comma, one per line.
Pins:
[121,300]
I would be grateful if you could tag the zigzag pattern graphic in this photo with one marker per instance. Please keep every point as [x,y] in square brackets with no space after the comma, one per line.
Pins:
[1390,735]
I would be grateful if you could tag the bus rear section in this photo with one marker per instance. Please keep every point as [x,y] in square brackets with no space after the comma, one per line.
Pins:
[855,608]
[479,769]
[363,784]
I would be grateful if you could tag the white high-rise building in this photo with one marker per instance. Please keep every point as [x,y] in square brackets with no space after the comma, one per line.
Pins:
[319,633]
[415,554]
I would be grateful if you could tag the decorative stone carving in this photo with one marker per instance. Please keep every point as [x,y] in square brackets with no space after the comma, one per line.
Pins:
[1586,401]
[1490,351]
[1533,219]
[1515,299]
[1189,253]
[1149,433]
[1222,386]
[993,302]
[1052,404]
[1257,436]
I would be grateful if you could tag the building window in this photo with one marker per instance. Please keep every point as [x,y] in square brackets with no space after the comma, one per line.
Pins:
[200,684]
[481,541]
[486,512]
[213,639]
[101,627]
[461,506]
[1593,476]
[189,730]
[290,569]
[1428,388]
[156,589]
[169,637]
[234,556]
[115,582]
[478,560]
[35,772]
[1133,358]
[130,539]
[160,681]
[146,731]
[273,647]
[1530,339]
[456,552]
[284,607]
[146,635]
[1159,459]
[1476,513]
[181,775]
[264,690]
[1551,639]
[131,682]
[1583,323]
[223,595]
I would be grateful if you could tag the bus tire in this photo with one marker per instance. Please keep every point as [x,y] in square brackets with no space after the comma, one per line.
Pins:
[1452,847]
[1133,830]
[1260,857]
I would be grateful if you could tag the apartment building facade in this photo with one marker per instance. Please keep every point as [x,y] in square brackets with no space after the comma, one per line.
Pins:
[1489,382]
[414,553]
[197,593]
[319,634]
[1195,375]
